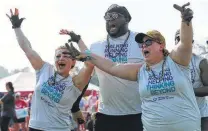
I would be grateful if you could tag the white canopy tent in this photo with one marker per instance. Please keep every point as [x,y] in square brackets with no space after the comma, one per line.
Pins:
[25,81]
[22,81]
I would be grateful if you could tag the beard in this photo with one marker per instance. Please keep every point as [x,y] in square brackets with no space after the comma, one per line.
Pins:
[119,31]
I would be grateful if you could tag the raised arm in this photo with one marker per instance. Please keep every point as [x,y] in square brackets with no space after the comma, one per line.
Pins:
[24,43]
[82,79]
[124,71]
[182,53]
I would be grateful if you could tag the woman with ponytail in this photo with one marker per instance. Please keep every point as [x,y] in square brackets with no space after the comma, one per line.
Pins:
[7,102]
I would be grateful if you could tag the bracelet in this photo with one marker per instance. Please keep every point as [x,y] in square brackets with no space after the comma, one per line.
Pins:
[87,52]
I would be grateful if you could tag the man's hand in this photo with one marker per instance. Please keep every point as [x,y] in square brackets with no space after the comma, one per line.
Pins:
[186,13]
[74,37]
[14,18]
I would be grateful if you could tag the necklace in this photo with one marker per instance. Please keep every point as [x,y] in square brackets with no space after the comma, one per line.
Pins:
[121,47]
[194,73]
[160,77]
[52,82]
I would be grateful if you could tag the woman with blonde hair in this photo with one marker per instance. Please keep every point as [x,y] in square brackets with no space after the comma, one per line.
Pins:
[56,90]
[168,101]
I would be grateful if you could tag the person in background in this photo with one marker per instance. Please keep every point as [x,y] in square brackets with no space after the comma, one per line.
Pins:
[29,100]
[7,102]
[1,95]
[19,123]
[199,78]
[91,101]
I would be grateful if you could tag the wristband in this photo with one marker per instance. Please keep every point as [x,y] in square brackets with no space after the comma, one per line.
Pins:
[87,52]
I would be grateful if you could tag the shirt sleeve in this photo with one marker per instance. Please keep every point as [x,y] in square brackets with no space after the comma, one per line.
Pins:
[45,68]
[6,98]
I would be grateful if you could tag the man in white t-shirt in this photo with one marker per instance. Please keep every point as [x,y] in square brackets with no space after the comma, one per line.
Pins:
[119,106]
[199,77]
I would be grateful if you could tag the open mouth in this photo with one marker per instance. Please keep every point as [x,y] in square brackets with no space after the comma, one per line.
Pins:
[61,66]
[113,27]
[146,52]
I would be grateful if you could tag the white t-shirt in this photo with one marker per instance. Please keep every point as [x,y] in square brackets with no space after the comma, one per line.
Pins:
[169,104]
[196,81]
[118,96]
[51,104]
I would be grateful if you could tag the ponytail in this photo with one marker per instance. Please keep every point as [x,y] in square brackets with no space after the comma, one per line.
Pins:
[10,85]
[165,52]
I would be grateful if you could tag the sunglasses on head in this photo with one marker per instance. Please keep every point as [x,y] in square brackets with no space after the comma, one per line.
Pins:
[177,40]
[112,16]
[147,43]
[66,55]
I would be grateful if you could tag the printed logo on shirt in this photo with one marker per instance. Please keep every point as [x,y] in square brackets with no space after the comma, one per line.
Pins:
[54,92]
[157,87]
[118,50]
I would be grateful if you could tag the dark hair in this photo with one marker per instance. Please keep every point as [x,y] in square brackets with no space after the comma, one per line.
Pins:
[165,52]
[10,85]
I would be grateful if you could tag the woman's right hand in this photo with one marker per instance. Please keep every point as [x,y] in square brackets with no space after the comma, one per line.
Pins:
[186,13]
[14,18]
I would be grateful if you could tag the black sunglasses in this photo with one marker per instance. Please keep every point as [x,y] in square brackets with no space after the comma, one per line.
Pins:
[148,42]
[112,16]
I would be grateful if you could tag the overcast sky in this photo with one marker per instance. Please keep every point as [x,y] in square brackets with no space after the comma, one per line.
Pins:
[44,19]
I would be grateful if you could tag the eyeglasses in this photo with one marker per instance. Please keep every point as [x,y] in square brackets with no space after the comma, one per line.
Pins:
[148,42]
[112,16]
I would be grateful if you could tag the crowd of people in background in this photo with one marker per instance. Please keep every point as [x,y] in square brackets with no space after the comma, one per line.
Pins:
[11,120]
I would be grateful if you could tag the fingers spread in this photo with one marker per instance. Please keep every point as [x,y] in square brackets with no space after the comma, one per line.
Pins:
[16,12]
[11,12]
[75,50]
[177,7]
[187,4]
[8,16]
[181,8]
[68,47]
[63,32]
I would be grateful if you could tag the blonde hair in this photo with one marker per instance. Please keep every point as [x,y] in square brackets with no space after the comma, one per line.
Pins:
[61,47]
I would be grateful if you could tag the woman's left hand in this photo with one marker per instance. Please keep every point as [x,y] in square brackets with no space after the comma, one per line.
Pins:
[77,55]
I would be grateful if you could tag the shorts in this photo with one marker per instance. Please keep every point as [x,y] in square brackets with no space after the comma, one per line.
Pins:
[18,120]
[118,123]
